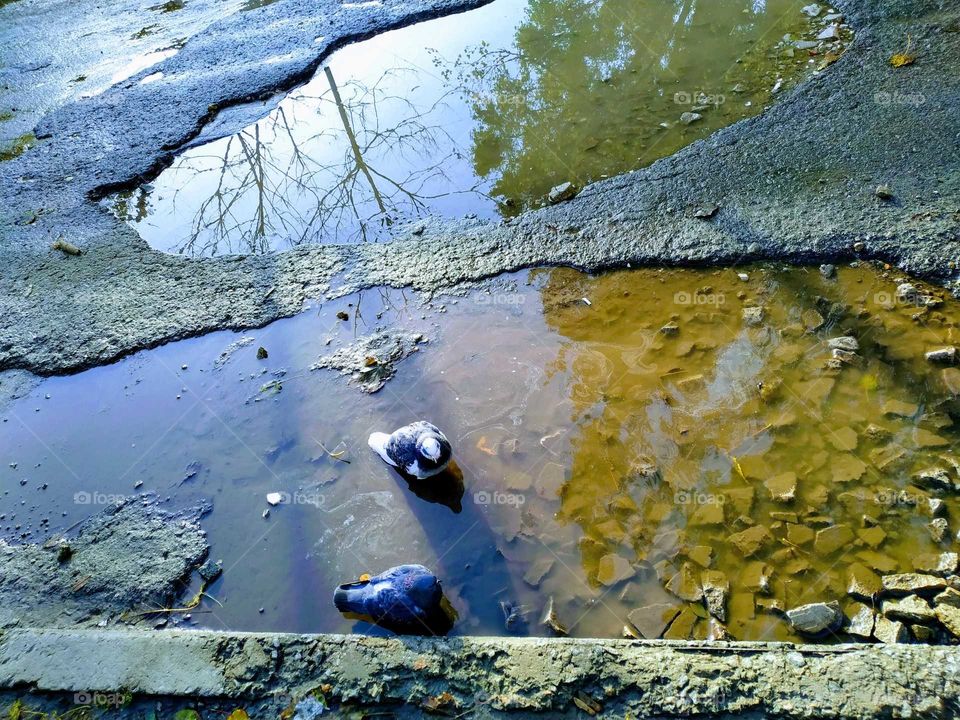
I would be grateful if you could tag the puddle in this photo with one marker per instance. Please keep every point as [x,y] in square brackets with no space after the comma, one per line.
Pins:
[640,432]
[476,114]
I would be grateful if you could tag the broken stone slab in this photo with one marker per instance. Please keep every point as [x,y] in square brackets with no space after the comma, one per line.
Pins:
[716,590]
[816,619]
[537,571]
[890,631]
[129,556]
[682,626]
[771,605]
[831,32]
[832,538]
[652,620]
[939,529]
[844,342]
[949,617]
[934,479]
[800,534]
[911,609]
[950,377]
[843,439]
[685,584]
[950,596]
[899,408]
[924,633]
[756,576]
[753,316]
[860,620]
[943,356]
[782,488]
[561,193]
[750,541]
[925,439]
[912,583]
[862,582]
[613,569]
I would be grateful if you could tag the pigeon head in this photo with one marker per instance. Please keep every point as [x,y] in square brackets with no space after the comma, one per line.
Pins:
[434,448]
[430,447]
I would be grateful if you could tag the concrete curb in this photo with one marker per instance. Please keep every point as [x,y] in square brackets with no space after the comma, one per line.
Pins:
[491,676]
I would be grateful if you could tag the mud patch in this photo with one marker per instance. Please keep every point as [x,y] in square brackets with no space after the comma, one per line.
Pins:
[132,557]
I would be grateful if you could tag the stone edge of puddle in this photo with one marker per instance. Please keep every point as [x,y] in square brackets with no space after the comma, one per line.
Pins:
[483,677]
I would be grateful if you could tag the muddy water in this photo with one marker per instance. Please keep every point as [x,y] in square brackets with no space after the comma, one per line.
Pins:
[478,113]
[636,433]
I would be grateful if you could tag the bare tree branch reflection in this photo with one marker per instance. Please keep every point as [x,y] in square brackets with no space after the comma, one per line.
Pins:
[276,186]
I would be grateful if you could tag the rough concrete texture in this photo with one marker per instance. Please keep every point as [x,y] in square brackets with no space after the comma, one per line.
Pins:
[795,183]
[131,556]
[488,677]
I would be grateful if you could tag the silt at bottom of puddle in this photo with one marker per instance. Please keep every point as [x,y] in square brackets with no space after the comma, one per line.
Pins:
[678,452]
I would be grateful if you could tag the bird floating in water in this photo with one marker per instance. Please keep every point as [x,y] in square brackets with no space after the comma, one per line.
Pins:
[405,598]
[419,449]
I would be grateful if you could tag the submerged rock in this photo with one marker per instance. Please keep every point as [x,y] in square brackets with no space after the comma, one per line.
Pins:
[943,356]
[753,315]
[912,583]
[652,620]
[551,620]
[832,538]
[862,582]
[939,529]
[782,488]
[685,584]
[613,569]
[716,590]
[816,618]
[933,479]
[561,193]
[750,541]
[371,360]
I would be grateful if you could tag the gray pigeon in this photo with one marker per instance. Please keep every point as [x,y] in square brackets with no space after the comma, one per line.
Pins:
[419,449]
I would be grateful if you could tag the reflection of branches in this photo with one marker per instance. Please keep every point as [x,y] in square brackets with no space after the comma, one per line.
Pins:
[350,181]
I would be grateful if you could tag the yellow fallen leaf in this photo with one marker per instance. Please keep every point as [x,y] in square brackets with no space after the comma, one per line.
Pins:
[483,447]
[868,382]
[238,714]
[901,59]
[364,577]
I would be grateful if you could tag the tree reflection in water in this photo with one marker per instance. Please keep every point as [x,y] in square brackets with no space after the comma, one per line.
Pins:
[449,118]
[271,186]
[594,88]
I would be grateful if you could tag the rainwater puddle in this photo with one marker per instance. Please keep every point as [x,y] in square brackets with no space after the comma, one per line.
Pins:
[481,114]
[641,436]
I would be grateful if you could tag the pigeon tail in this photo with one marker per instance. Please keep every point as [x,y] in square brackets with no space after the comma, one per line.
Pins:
[378,443]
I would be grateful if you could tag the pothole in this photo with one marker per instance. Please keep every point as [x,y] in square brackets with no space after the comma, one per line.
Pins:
[485,114]
[682,453]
